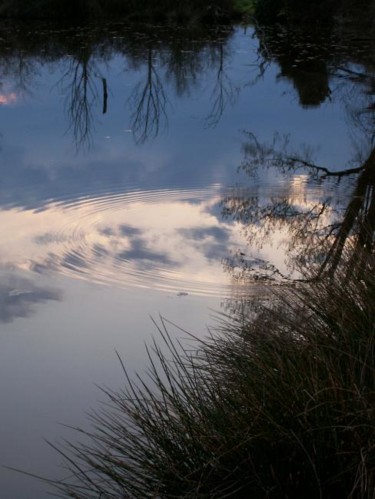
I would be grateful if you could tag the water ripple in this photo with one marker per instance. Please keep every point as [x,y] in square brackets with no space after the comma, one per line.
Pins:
[170,240]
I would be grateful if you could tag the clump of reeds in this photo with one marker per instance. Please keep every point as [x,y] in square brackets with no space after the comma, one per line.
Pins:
[279,405]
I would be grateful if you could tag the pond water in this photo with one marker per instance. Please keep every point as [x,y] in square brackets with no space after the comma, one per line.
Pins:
[148,171]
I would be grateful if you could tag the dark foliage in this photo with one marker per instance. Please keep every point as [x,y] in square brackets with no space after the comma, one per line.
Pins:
[219,10]
[312,12]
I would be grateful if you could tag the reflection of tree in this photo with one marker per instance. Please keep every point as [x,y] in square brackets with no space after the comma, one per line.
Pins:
[357,224]
[149,103]
[170,57]
[310,211]
[79,85]
[316,227]
[183,66]
[20,69]
[307,60]
[303,59]
[28,51]
[179,63]
[223,93]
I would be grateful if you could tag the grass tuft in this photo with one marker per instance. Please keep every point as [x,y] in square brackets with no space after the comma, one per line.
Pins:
[276,403]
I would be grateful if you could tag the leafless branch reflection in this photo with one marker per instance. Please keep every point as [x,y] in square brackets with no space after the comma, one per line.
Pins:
[149,102]
[223,93]
[82,91]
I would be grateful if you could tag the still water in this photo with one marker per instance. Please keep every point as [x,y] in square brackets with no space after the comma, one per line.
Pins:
[148,172]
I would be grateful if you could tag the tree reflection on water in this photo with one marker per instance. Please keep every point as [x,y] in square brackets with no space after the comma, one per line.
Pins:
[317,225]
[316,211]
[163,57]
[310,211]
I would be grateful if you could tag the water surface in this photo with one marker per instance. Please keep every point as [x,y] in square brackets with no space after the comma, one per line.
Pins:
[150,171]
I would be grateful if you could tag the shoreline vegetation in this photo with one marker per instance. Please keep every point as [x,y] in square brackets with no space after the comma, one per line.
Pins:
[277,403]
[220,11]
[193,11]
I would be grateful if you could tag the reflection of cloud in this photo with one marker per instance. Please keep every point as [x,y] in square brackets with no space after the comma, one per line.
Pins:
[18,297]
[51,263]
[144,257]
[134,239]
[33,174]
[49,238]
[215,252]
[8,98]
[106,231]
[122,230]
[100,251]
[74,261]
[198,233]
[128,231]
[213,240]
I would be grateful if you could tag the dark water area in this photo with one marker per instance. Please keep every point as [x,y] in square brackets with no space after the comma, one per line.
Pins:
[148,171]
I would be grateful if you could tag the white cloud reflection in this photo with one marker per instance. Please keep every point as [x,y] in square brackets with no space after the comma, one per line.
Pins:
[171,240]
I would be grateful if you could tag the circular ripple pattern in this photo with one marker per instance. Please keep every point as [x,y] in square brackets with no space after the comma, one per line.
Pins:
[166,240]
